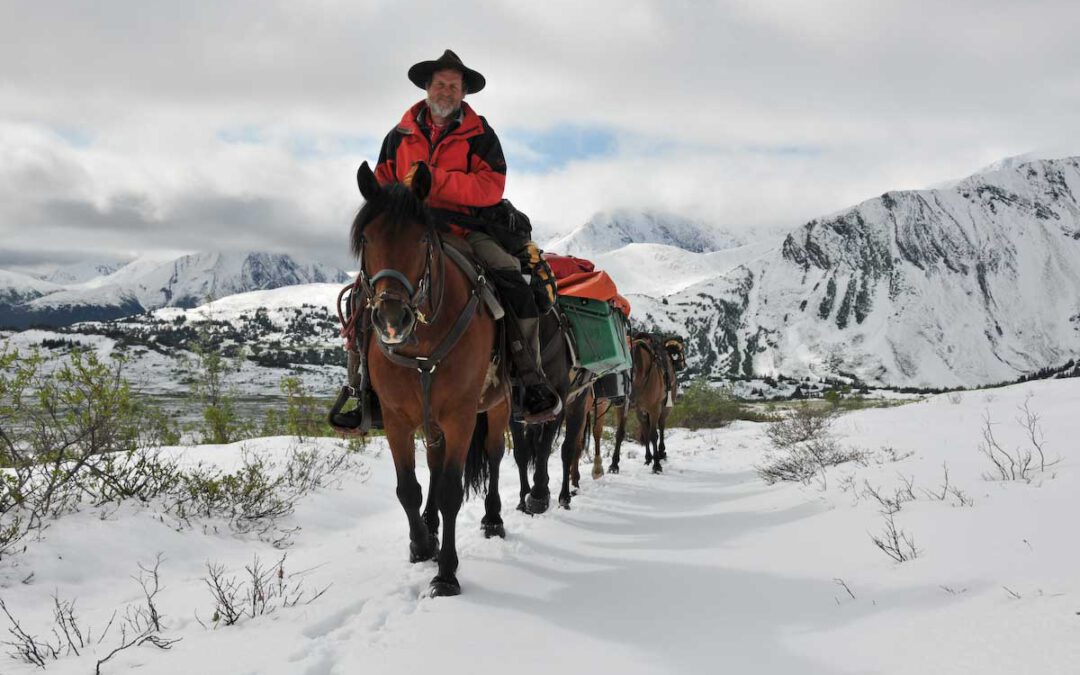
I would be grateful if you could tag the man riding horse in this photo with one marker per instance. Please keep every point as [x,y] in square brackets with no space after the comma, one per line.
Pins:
[468,173]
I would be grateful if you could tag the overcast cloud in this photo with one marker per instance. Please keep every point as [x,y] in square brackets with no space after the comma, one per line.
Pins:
[135,127]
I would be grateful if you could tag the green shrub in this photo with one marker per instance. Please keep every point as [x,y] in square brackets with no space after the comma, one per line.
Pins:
[702,406]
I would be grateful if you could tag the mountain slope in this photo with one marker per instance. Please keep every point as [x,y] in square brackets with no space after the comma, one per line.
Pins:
[608,231]
[152,282]
[972,284]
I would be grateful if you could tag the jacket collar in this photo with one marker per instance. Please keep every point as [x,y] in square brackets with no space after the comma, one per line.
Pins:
[414,121]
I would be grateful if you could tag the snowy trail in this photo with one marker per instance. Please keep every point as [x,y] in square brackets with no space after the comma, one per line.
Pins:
[618,580]
[702,569]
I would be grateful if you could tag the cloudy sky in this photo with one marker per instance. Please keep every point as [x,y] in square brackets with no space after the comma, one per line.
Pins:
[136,127]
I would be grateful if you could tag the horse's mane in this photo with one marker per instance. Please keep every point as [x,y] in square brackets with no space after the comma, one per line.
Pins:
[394,201]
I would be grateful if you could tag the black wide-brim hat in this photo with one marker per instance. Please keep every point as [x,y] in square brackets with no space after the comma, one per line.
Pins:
[420,74]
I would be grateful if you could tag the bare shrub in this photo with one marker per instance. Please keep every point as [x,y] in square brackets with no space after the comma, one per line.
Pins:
[1020,463]
[139,624]
[259,493]
[897,544]
[889,503]
[805,461]
[261,591]
[804,447]
[804,424]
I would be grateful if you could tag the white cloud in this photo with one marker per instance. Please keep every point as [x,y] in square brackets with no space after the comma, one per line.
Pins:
[750,114]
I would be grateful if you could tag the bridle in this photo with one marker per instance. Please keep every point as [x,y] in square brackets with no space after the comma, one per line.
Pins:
[414,297]
[432,288]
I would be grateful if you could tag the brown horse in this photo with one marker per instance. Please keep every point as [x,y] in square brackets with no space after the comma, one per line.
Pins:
[430,362]
[651,396]
[601,408]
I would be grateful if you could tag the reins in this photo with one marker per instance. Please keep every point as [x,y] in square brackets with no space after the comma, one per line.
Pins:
[430,288]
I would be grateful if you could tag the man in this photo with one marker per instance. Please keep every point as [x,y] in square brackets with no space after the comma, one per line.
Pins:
[468,172]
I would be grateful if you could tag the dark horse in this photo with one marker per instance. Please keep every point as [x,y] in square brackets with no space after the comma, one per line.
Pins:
[532,442]
[430,362]
[594,407]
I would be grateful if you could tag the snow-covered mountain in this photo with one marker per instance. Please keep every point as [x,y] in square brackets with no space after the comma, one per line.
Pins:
[611,230]
[152,282]
[972,284]
[79,273]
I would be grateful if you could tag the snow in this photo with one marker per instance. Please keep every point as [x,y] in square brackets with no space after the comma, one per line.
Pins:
[15,284]
[279,303]
[610,230]
[657,270]
[82,272]
[702,569]
[166,279]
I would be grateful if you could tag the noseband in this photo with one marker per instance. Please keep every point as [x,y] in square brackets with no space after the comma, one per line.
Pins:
[429,279]
[413,297]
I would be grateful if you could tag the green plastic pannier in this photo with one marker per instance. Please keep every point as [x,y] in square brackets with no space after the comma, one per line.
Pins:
[600,333]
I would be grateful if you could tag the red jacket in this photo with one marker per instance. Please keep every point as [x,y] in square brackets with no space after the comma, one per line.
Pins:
[467,164]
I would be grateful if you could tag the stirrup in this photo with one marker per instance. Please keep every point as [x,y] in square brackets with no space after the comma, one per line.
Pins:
[358,421]
[546,415]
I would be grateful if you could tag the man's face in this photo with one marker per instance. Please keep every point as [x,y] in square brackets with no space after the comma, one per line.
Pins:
[445,93]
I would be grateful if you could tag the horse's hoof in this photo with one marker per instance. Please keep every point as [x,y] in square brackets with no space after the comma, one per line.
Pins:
[657,468]
[598,474]
[521,507]
[648,460]
[573,493]
[564,503]
[537,506]
[419,553]
[614,468]
[442,587]
[494,530]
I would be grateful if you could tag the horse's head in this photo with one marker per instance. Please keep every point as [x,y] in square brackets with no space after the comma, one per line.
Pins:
[394,241]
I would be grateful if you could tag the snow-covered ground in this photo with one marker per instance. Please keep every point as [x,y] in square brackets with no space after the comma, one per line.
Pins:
[702,569]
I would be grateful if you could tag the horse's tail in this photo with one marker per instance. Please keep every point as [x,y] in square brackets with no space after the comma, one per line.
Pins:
[476,462]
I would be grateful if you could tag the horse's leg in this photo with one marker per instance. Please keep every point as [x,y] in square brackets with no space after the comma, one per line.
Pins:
[602,408]
[645,435]
[539,498]
[522,452]
[654,435]
[663,425]
[620,432]
[431,508]
[492,522]
[400,437]
[571,448]
[575,469]
[456,437]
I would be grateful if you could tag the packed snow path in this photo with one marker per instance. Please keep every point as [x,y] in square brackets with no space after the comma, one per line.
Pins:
[702,569]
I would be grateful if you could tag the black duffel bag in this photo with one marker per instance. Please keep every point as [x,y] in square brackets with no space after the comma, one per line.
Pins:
[508,226]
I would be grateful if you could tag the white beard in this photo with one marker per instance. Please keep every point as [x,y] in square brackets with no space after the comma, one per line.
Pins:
[440,110]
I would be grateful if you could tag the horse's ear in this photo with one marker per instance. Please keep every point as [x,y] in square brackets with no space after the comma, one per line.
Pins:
[421,182]
[369,187]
